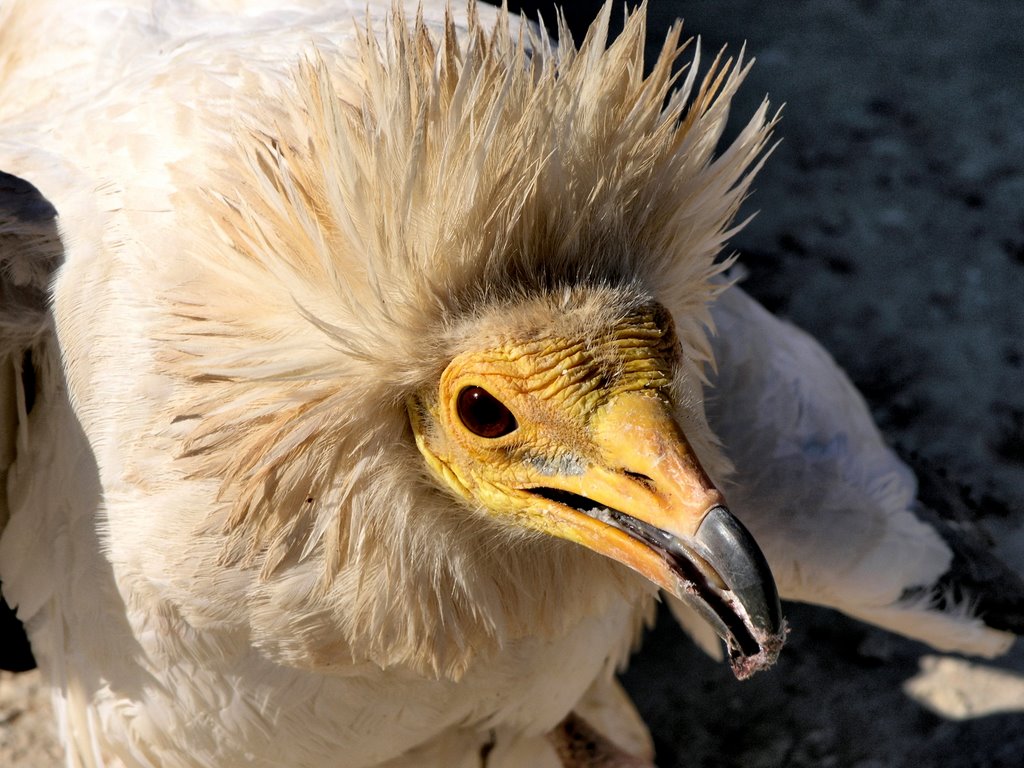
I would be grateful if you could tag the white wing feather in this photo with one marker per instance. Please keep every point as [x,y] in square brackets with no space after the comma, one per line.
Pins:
[828,501]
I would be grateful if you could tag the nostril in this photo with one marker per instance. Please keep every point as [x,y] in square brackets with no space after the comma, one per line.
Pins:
[643,480]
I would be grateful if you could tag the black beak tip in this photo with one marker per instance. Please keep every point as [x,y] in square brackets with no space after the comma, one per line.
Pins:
[743,568]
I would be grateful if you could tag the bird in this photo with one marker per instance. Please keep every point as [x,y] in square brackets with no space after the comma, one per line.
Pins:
[371,370]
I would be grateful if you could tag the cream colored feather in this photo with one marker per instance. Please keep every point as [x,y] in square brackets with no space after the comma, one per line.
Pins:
[275,225]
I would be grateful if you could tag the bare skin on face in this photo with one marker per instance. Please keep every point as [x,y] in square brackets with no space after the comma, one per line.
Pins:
[577,437]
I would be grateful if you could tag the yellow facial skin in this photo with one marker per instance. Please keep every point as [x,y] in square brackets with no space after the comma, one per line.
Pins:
[576,438]
[591,420]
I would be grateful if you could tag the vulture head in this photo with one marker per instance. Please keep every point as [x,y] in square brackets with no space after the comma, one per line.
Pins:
[564,423]
[446,380]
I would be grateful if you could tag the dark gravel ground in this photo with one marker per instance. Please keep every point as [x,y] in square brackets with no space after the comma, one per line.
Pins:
[891,226]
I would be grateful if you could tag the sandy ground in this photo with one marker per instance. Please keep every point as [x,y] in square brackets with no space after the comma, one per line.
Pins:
[27,731]
[892,226]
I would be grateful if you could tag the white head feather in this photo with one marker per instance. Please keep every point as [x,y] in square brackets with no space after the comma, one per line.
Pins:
[388,210]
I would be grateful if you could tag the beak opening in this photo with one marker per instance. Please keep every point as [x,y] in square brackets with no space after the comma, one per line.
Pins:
[720,572]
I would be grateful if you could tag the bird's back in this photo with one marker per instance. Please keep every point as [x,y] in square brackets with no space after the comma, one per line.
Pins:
[53,58]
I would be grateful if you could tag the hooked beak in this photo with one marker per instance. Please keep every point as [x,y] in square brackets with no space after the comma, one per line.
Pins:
[649,504]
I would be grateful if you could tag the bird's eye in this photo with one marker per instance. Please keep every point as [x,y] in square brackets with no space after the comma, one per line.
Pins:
[483,414]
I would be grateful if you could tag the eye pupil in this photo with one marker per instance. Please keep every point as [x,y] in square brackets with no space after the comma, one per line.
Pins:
[483,414]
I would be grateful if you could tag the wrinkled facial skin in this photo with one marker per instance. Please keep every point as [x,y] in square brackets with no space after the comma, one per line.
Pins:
[555,389]
[577,438]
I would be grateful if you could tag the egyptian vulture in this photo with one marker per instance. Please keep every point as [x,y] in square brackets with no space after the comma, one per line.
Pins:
[365,373]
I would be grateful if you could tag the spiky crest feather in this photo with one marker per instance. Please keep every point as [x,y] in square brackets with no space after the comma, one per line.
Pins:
[389,211]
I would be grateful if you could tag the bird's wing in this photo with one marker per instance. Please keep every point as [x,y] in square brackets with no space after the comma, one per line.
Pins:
[832,506]
[29,253]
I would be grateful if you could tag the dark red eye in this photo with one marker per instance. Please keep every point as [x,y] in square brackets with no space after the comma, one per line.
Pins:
[483,414]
